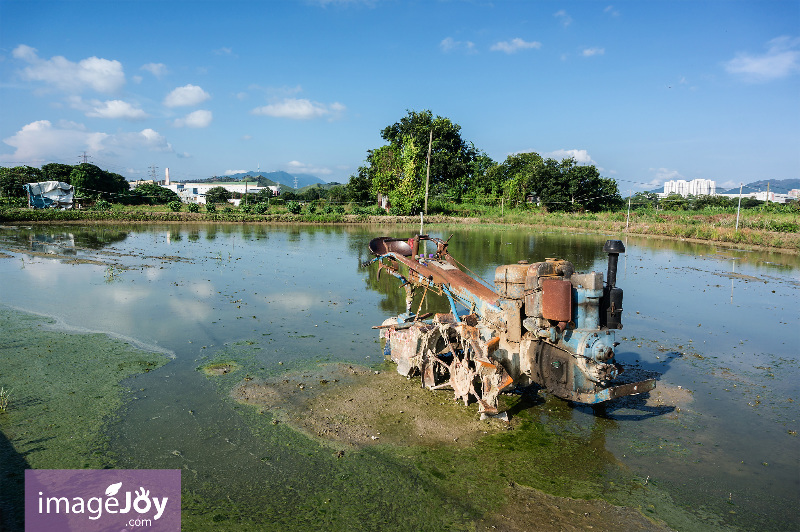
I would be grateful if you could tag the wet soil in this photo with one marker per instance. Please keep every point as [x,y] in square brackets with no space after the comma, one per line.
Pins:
[351,407]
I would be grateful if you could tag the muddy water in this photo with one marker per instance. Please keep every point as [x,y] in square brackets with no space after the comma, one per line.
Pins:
[713,447]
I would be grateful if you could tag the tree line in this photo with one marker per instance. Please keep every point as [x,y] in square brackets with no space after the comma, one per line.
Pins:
[89,181]
[424,165]
[459,172]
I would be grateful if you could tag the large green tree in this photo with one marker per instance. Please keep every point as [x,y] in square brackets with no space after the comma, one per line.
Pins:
[218,195]
[358,187]
[153,194]
[13,180]
[399,169]
[91,181]
[452,157]
[557,185]
[57,172]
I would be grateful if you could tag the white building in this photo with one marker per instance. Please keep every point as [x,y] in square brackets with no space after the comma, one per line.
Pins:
[770,197]
[695,187]
[196,192]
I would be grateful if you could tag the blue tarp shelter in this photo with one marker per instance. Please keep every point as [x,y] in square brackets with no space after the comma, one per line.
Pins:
[50,195]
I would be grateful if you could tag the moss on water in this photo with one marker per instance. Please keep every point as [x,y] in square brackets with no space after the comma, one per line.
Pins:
[66,387]
[407,481]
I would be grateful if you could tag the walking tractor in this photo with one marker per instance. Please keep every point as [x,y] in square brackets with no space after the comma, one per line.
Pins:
[542,324]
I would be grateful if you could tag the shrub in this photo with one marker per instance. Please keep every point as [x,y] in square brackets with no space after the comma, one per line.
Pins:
[210,207]
[194,207]
[174,206]
[261,208]
[101,205]
[293,207]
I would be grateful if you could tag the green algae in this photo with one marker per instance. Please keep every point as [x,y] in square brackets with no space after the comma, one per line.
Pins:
[67,387]
[302,482]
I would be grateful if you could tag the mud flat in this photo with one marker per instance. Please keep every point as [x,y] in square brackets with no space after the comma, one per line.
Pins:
[351,407]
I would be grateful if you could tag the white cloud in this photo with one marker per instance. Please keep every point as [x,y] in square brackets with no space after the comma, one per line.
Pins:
[152,140]
[185,96]
[40,141]
[611,10]
[156,69]
[115,109]
[514,45]
[101,75]
[580,156]
[660,175]
[301,168]
[197,119]
[781,60]
[232,172]
[299,109]
[589,52]
[449,44]
[565,19]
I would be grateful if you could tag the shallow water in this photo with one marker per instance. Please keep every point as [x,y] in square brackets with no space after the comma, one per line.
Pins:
[718,449]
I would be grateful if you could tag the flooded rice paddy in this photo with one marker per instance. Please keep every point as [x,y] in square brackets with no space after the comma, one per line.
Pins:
[714,447]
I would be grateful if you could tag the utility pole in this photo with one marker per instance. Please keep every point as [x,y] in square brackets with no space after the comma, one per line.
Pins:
[84,158]
[428,176]
[740,206]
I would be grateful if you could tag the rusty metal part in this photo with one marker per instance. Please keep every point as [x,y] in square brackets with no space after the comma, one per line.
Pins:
[543,324]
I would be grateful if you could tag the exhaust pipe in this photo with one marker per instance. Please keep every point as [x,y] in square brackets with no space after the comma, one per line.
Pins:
[611,305]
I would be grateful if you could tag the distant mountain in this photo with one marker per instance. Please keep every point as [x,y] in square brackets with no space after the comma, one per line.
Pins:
[778,186]
[282,178]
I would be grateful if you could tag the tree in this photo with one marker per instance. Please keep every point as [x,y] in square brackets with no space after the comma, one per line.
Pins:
[357,189]
[57,172]
[644,199]
[451,157]
[218,195]
[337,194]
[399,169]
[91,181]
[675,202]
[586,190]
[156,194]
[12,180]
[520,175]
[482,184]
[558,185]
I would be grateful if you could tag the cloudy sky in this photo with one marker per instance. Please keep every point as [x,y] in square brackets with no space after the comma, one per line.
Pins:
[646,91]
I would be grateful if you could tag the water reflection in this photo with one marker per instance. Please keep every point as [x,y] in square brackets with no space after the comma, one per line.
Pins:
[53,244]
[57,241]
[297,295]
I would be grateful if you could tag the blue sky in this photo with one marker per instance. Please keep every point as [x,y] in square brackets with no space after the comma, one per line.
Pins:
[647,91]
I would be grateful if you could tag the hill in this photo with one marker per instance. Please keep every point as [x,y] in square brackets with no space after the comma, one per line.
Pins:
[282,178]
[778,186]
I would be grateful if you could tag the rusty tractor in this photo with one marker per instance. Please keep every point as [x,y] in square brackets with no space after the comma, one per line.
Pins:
[541,324]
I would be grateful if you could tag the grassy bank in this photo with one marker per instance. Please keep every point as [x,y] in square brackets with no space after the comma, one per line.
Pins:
[774,230]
